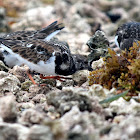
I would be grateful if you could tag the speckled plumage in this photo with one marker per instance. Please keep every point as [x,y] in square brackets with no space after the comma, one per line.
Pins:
[127,34]
[35,49]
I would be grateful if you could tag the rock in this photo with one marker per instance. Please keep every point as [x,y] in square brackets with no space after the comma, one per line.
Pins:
[20,72]
[55,125]
[25,105]
[79,25]
[35,89]
[134,14]
[26,85]
[40,132]
[110,29]
[80,77]
[98,40]
[64,100]
[22,96]
[98,44]
[30,117]
[80,13]
[14,131]
[81,123]
[128,128]
[8,109]
[77,43]
[98,90]
[49,131]
[39,98]
[35,18]
[8,82]
[120,14]
[121,106]
[8,133]
[88,10]
[98,63]
[3,67]
[65,83]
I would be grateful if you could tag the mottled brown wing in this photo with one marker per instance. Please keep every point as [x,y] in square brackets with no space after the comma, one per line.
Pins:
[20,35]
[34,50]
[33,35]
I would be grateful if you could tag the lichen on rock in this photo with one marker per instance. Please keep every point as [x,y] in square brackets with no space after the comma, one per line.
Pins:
[98,45]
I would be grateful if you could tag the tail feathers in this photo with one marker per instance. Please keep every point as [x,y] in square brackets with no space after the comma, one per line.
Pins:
[52,30]
[52,27]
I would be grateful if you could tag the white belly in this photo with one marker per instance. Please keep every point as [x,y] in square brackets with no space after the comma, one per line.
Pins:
[12,59]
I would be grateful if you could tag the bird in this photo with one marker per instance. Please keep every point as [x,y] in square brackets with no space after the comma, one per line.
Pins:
[41,53]
[127,34]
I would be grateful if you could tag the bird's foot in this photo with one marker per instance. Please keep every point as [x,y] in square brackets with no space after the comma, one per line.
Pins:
[60,78]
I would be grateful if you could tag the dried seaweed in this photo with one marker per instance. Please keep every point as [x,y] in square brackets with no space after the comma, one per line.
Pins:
[120,71]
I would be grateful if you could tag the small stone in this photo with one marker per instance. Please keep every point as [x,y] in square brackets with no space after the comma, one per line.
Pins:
[22,96]
[121,106]
[39,98]
[25,105]
[64,100]
[25,98]
[8,133]
[30,117]
[20,72]
[81,123]
[8,82]
[3,67]
[98,44]
[25,85]
[8,109]
[97,64]
[13,131]
[80,77]
[40,132]
[35,89]
[66,83]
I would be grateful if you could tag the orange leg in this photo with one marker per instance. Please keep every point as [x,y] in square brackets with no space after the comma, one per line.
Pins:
[47,77]
[54,77]
[31,78]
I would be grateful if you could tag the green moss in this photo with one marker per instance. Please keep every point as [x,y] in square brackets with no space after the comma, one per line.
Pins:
[25,86]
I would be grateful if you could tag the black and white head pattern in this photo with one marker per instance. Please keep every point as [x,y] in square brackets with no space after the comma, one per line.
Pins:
[127,34]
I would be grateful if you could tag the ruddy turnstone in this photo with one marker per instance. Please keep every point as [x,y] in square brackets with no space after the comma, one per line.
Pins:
[42,55]
[127,34]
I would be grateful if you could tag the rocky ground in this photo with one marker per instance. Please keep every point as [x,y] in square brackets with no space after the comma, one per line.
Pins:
[68,110]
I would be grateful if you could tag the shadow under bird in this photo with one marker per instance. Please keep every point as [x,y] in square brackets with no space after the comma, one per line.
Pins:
[127,34]
[41,53]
